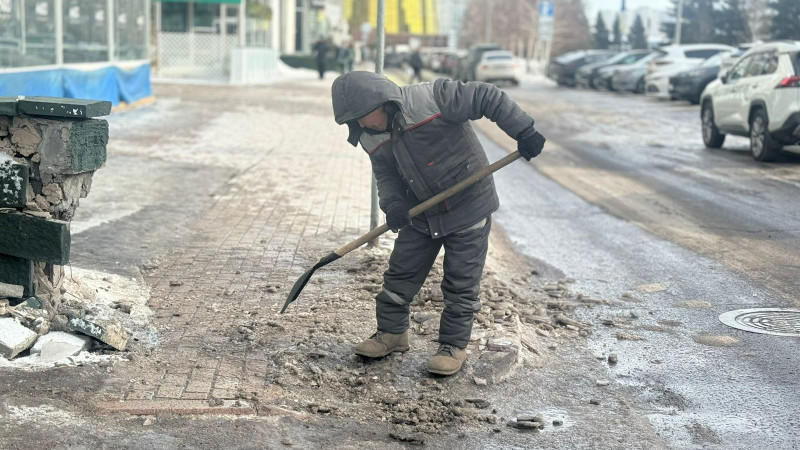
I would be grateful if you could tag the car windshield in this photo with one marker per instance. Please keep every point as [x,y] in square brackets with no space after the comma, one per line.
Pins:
[618,58]
[569,57]
[649,57]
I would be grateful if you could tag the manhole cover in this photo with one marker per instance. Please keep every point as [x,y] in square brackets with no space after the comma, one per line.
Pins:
[780,322]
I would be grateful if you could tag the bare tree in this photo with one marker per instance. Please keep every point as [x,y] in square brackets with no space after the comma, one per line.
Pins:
[514,25]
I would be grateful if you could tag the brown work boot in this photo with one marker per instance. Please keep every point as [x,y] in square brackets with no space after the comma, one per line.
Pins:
[381,344]
[448,360]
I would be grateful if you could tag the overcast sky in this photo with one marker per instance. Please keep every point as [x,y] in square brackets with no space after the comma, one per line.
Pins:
[592,6]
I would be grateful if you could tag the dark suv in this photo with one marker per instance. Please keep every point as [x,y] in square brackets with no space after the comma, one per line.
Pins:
[563,68]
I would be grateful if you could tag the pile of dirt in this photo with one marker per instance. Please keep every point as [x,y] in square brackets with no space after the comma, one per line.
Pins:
[311,363]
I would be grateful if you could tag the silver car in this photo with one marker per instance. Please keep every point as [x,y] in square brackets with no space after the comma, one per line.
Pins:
[630,78]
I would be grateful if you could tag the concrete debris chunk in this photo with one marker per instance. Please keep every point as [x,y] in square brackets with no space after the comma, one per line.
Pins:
[494,367]
[11,291]
[57,345]
[14,338]
[108,331]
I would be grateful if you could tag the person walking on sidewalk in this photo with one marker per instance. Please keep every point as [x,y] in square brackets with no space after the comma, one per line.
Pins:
[420,142]
[416,65]
[321,49]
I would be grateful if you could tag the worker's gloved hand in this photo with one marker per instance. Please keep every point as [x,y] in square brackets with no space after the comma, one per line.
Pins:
[530,143]
[397,216]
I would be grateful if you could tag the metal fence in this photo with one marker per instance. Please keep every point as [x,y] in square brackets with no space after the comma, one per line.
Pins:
[194,55]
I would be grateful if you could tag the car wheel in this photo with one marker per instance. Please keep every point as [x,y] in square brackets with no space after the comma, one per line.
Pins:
[711,135]
[639,86]
[762,146]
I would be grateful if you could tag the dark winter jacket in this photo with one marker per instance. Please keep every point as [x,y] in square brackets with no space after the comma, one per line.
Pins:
[431,146]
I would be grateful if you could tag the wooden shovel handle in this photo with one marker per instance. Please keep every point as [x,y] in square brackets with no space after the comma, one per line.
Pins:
[438,198]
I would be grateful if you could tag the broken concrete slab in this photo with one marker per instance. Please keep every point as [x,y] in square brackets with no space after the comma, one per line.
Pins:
[63,107]
[108,331]
[11,291]
[57,345]
[14,338]
[495,367]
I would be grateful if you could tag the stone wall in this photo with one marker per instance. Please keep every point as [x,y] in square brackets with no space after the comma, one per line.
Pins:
[49,150]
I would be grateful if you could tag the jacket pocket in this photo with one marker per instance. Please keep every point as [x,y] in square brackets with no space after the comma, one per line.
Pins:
[449,180]
[453,176]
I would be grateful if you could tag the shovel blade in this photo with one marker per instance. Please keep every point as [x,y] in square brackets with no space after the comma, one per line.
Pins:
[303,280]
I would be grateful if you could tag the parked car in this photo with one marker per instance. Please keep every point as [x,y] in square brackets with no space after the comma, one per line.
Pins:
[449,65]
[467,64]
[677,58]
[628,78]
[498,65]
[689,84]
[563,68]
[759,98]
[588,75]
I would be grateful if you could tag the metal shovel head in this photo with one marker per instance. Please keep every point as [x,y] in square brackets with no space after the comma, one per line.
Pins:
[303,280]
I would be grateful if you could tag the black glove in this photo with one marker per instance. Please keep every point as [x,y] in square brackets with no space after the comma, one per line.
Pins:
[397,216]
[530,143]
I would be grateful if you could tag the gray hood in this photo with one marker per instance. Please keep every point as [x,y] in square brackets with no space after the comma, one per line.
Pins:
[356,94]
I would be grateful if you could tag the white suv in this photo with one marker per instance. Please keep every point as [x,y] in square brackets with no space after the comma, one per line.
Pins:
[759,97]
[677,58]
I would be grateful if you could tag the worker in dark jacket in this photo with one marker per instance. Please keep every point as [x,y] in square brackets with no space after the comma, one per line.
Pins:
[420,142]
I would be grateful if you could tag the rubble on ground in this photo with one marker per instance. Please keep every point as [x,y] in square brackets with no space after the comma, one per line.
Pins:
[102,314]
[310,358]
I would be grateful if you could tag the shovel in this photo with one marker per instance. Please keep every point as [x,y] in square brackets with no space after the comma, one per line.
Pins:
[413,212]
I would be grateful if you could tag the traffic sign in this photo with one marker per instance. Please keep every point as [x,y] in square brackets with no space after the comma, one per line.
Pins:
[546,9]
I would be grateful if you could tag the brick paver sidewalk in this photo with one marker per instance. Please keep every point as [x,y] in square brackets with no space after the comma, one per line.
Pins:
[304,193]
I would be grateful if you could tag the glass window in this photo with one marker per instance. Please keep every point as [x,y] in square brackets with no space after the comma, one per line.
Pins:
[27,34]
[740,69]
[770,64]
[703,54]
[756,65]
[11,44]
[130,38]
[174,17]
[85,31]
[206,17]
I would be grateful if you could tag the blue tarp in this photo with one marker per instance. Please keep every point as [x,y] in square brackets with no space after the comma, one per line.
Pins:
[109,83]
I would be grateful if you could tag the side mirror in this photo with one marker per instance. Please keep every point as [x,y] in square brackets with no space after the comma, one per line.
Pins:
[724,78]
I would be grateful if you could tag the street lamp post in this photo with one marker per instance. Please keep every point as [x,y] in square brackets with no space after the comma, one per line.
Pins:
[380,42]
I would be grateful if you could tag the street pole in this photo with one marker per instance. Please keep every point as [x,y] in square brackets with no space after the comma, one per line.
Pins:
[381,40]
[678,23]
[488,31]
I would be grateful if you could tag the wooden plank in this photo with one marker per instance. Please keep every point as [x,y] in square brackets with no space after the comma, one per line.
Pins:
[34,238]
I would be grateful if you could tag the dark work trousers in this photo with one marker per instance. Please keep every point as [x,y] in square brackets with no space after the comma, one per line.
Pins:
[412,258]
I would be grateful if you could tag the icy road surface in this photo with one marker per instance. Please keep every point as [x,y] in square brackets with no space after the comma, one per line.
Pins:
[677,235]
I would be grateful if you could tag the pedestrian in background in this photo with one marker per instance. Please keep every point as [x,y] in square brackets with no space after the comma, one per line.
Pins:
[346,57]
[420,142]
[321,49]
[416,65]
